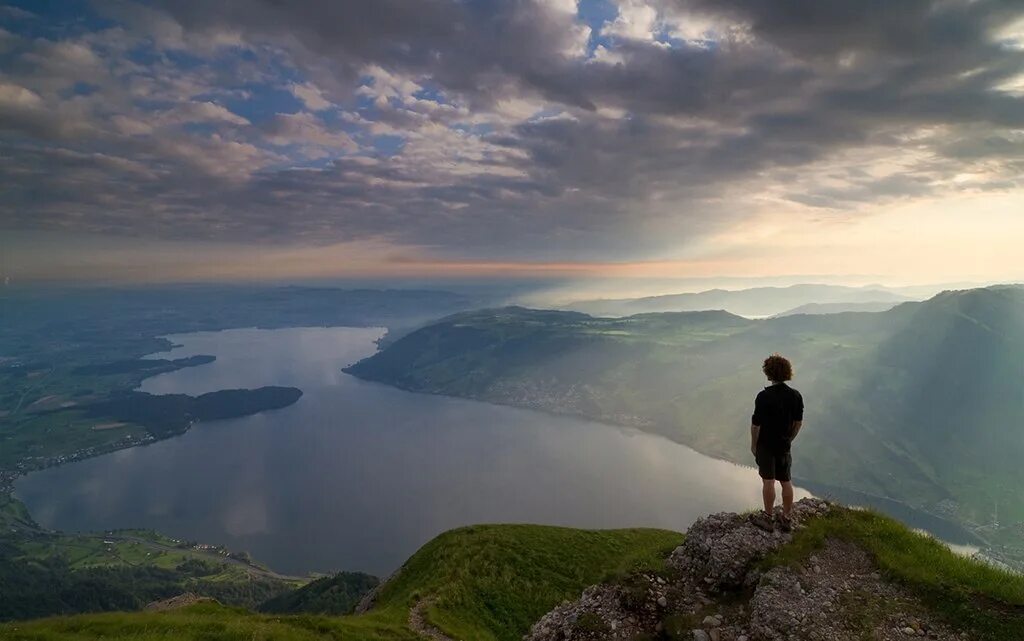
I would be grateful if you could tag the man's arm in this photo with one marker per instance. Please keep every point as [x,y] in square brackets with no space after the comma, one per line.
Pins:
[755,423]
[798,415]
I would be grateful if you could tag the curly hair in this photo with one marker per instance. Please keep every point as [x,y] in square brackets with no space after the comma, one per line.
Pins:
[777,368]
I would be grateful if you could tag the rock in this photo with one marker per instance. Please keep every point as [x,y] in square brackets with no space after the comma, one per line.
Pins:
[700,635]
[663,602]
[721,548]
[909,631]
[710,622]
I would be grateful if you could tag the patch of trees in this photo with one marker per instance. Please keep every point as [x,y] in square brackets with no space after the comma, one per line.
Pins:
[145,365]
[336,595]
[169,414]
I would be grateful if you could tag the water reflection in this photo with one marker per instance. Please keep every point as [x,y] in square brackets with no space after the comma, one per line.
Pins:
[358,475]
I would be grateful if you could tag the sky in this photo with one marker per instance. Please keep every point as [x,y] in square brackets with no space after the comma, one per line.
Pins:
[853,140]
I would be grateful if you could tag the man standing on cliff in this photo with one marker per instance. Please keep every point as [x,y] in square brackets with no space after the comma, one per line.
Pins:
[778,417]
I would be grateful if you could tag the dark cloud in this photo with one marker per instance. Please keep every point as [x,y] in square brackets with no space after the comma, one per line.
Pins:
[493,128]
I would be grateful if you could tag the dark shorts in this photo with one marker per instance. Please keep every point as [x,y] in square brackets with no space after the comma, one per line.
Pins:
[774,465]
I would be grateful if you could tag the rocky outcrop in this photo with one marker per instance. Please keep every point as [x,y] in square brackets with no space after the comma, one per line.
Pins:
[721,549]
[714,590]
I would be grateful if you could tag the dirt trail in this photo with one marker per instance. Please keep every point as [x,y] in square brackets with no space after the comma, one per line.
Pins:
[418,623]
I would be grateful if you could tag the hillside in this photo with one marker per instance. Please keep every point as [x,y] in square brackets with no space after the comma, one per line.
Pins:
[879,419]
[44,572]
[752,302]
[338,594]
[843,574]
[483,582]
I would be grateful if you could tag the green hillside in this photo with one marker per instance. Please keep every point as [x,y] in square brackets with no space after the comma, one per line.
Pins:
[971,596]
[44,572]
[492,582]
[923,403]
[337,594]
[482,582]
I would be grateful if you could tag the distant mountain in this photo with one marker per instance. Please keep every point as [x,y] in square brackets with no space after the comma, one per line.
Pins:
[754,302]
[923,403]
[839,308]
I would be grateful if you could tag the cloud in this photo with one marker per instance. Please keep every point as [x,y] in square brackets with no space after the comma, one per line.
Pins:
[13,96]
[305,128]
[195,111]
[311,96]
[500,129]
[636,20]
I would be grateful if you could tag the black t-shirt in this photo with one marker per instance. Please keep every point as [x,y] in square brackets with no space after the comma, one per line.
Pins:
[776,408]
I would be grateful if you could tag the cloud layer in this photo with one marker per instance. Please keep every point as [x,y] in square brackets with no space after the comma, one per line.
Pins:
[520,129]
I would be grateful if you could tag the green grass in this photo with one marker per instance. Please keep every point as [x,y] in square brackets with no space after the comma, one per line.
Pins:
[487,582]
[491,582]
[207,622]
[969,595]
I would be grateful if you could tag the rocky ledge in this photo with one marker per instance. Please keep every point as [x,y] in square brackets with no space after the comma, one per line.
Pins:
[714,589]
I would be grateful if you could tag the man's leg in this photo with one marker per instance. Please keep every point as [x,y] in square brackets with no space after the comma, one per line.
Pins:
[768,494]
[787,497]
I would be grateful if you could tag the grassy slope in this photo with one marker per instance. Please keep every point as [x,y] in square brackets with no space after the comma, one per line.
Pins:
[492,581]
[968,594]
[484,582]
[207,622]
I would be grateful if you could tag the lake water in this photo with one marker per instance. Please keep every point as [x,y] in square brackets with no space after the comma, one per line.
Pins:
[358,475]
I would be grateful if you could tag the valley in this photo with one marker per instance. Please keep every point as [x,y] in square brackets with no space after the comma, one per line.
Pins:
[681,376]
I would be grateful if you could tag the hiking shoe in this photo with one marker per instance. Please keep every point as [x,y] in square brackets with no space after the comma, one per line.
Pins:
[763,520]
[785,523]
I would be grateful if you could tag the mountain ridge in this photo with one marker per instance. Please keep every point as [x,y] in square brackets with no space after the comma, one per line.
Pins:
[750,302]
[866,377]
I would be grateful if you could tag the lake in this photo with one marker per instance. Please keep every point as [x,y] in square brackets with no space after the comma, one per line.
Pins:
[358,475]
